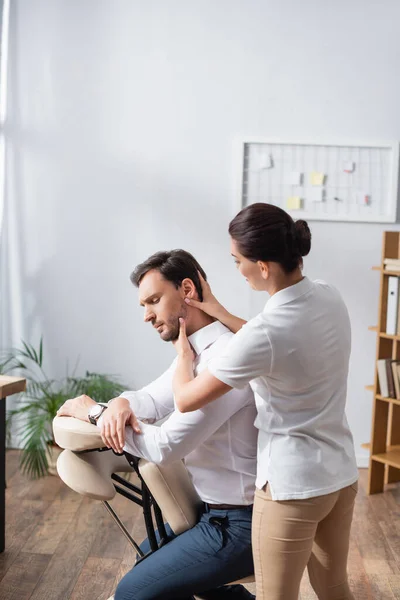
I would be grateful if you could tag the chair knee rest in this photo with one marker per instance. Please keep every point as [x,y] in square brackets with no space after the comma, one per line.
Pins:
[173,490]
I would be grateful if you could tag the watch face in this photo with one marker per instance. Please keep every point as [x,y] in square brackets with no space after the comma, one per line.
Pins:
[96,411]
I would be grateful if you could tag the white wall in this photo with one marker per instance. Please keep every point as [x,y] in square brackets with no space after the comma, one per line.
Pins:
[122,116]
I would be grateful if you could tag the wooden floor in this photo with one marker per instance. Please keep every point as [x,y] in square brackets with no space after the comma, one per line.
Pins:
[61,546]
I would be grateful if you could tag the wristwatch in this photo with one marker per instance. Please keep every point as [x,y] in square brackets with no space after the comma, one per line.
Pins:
[95,412]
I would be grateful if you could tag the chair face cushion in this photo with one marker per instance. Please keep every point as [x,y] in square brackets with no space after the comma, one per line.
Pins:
[89,473]
[74,434]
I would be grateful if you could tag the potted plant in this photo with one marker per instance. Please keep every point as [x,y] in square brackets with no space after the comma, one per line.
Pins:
[37,407]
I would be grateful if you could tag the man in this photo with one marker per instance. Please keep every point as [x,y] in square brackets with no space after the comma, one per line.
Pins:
[217,442]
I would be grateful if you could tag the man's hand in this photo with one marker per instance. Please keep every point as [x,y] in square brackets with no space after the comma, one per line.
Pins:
[113,422]
[76,407]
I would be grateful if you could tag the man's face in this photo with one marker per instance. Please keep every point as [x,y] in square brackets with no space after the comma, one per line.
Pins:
[163,304]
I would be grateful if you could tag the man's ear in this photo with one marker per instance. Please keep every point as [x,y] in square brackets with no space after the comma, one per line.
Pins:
[264,269]
[189,289]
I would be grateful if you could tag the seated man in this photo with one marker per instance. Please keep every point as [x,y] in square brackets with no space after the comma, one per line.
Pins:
[217,442]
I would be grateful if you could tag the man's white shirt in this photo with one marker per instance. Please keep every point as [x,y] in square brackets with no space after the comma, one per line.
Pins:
[218,442]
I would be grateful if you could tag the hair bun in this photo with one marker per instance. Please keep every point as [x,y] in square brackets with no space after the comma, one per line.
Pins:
[303,236]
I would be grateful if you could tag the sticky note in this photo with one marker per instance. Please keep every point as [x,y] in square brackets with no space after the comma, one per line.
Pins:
[294,203]
[317,178]
[362,198]
[317,194]
[348,166]
[295,178]
[266,162]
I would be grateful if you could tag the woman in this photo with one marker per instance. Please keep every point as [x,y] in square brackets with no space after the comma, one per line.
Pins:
[295,354]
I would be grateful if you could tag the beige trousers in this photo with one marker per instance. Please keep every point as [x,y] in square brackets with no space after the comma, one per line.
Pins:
[289,536]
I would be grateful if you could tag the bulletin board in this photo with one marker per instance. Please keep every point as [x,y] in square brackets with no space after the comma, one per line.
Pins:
[321,181]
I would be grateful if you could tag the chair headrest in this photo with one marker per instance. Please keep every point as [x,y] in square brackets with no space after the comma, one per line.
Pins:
[74,434]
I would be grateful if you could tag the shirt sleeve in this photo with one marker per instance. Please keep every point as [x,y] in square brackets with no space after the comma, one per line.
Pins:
[182,433]
[156,400]
[247,356]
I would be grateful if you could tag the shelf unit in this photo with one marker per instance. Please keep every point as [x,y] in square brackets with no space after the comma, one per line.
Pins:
[384,464]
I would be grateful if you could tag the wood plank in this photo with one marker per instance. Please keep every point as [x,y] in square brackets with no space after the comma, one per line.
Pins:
[386,510]
[129,558]
[392,458]
[393,474]
[25,502]
[388,400]
[379,588]
[54,522]
[357,575]
[12,463]
[64,569]
[11,385]
[109,541]
[378,445]
[375,551]
[96,581]
[23,576]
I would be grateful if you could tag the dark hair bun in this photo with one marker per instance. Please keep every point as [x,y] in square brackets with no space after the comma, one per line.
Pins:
[303,236]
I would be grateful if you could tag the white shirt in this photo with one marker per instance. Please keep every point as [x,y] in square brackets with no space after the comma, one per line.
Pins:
[296,354]
[218,442]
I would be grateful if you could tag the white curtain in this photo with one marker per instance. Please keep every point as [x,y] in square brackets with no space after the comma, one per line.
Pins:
[10,315]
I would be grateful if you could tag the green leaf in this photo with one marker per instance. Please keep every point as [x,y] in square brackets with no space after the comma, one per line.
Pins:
[35,409]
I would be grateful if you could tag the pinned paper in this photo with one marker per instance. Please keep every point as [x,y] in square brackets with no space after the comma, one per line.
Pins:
[317,178]
[266,162]
[294,203]
[317,194]
[362,198]
[348,166]
[295,178]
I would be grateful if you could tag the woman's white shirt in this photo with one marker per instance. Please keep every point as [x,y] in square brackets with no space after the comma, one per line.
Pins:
[295,355]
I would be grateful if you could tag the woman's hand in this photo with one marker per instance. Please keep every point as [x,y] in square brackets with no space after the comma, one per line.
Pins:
[113,422]
[182,345]
[184,367]
[210,304]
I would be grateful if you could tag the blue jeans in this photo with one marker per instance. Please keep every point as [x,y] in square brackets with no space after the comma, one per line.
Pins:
[216,551]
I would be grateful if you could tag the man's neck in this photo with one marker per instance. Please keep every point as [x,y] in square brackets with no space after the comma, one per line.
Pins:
[198,321]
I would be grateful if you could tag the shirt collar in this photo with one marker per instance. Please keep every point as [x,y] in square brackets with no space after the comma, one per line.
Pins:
[288,294]
[204,337]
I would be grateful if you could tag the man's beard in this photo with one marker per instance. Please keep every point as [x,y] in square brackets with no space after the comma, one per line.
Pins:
[172,325]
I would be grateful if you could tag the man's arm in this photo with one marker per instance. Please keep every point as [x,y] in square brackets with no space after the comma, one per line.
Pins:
[152,403]
[182,433]
[155,401]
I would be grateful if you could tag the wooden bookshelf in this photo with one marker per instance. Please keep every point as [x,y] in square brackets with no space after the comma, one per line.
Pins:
[384,464]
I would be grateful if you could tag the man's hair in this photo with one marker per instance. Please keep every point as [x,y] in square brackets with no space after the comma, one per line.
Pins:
[174,266]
